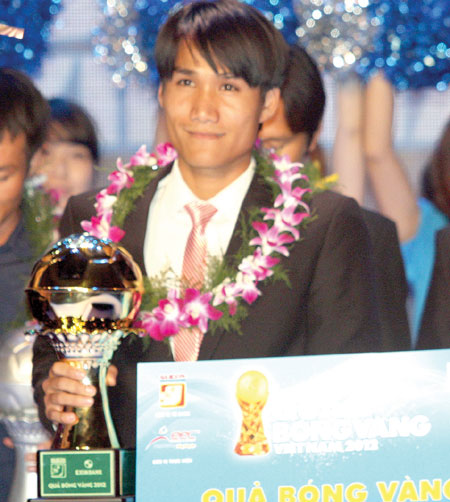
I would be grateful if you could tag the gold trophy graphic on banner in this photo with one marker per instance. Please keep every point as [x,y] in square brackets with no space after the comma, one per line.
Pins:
[252,390]
[85,293]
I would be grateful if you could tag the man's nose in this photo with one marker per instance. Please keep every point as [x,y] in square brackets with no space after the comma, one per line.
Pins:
[204,107]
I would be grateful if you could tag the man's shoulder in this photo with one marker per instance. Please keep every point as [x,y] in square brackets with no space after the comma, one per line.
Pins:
[377,220]
[331,201]
[328,206]
[443,238]
[83,199]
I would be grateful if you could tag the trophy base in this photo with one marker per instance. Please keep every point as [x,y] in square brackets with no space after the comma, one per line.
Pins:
[97,474]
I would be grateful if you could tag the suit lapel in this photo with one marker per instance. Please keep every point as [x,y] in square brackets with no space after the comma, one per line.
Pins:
[135,228]
[137,221]
[259,195]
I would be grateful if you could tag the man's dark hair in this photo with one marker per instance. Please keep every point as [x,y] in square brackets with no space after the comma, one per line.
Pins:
[69,122]
[303,93]
[22,109]
[228,32]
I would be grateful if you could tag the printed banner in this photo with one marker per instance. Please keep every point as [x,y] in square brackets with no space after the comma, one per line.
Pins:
[341,428]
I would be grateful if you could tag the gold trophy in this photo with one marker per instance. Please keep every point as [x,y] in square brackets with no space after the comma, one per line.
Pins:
[85,293]
[252,390]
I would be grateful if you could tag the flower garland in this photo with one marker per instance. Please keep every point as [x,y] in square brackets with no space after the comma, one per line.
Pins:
[193,307]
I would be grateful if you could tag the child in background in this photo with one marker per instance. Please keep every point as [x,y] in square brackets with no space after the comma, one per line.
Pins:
[67,159]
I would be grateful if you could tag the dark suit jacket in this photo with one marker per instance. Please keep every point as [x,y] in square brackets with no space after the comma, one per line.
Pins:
[435,329]
[330,307]
[390,281]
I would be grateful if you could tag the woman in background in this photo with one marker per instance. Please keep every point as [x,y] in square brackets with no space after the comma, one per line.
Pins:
[371,49]
[418,220]
[67,159]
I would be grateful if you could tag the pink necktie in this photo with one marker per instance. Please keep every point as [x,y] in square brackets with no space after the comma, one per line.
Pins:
[187,342]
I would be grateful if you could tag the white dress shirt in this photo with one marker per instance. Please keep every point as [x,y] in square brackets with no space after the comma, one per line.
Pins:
[169,224]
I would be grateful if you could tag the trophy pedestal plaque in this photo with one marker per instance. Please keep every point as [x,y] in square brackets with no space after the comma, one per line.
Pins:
[76,474]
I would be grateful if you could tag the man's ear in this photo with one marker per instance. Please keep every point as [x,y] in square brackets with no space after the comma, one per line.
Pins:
[315,138]
[270,105]
[160,93]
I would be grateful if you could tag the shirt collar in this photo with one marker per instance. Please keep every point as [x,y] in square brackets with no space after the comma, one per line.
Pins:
[227,199]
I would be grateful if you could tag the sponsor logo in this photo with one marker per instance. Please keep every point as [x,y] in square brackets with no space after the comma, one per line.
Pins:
[172,391]
[58,468]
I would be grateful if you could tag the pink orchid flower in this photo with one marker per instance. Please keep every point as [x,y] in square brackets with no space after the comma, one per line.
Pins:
[104,204]
[96,226]
[227,292]
[100,227]
[247,287]
[197,309]
[258,266]
[166,154]
[119,181]
[142,158]
[284,166]
[291,197]
[271,239]
[115,234]
[148,323]
[286,219]
[168,314]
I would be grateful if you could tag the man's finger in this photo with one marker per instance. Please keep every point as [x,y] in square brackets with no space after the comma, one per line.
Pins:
[111,376]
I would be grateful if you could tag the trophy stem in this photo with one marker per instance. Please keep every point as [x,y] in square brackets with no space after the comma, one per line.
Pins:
[91,430]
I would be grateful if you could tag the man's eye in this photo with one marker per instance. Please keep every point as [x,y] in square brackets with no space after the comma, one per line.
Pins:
[185,82]
[229,87]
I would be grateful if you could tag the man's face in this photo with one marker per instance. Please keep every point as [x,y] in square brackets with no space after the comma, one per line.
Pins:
[13,169]
[212,118]
[276,135]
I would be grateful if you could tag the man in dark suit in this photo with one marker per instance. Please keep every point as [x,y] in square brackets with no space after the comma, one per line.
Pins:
[215,94]
[293,131]
[435,328]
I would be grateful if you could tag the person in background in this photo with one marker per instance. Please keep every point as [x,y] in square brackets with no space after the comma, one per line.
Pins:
[417,218]
[293,131]
[24,116]
[67,158]
[435,328]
